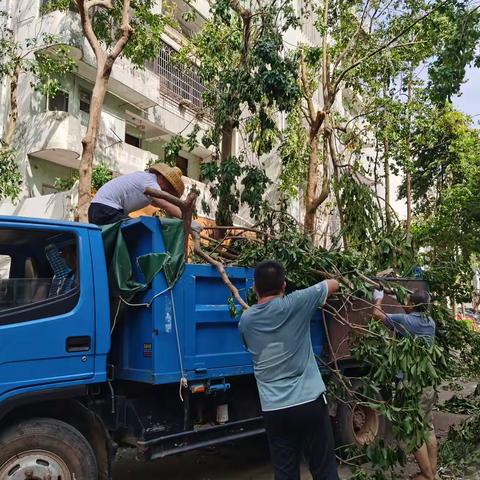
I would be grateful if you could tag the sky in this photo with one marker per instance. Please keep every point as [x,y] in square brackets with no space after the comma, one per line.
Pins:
[469,100]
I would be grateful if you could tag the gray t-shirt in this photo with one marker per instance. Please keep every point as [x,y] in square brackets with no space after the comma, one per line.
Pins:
[416,324]
[126,192]
[277,334]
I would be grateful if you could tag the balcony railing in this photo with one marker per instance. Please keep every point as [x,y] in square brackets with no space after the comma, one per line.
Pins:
[179,82]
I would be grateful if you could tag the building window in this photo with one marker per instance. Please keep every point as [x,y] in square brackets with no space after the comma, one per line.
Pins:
[85,101]
[182,164]
[132,140]
[175,81]
[58,103]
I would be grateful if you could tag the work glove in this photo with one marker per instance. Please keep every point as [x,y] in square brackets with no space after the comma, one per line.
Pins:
[377,295]
[196,227]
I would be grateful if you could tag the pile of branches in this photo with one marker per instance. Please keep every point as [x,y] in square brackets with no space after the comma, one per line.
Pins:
[279,238]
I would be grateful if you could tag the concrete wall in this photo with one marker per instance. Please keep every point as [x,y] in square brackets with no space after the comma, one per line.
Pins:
[52,131]
[42,173]
[58,206]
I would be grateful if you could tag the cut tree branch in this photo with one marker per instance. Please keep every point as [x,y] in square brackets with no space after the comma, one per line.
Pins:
[220,268]
[243,229]
[186,207]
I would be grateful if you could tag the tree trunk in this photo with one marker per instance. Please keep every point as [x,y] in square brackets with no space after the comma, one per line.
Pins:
[376,166]
[386,166]
[310,209]
[336,174]
[408,176]
[223,215]
[11,182]
[408,180]
[105,63]
[313,199]
[13,111]
[89,142]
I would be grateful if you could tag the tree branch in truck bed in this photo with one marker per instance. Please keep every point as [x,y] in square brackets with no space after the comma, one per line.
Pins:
[186,207]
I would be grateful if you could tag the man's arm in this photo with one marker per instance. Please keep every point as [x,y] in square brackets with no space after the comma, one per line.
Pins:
[394,321]
[172,210]
[311,298]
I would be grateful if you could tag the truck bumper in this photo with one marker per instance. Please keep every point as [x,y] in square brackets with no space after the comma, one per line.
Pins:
[166,445]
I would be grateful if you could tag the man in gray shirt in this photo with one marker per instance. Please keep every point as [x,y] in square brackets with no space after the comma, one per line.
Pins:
[126,193]
[276,331]
[417,323]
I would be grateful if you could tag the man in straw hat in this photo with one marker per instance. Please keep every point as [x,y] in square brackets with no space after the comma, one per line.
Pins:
[125,194]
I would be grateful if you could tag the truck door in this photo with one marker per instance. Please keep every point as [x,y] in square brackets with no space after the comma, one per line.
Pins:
[47,321]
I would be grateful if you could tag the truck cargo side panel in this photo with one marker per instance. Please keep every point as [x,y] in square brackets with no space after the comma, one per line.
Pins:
[211,333]
[189,326]
[143,340]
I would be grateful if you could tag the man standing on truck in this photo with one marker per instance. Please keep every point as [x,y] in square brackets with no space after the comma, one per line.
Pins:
[418,323]
[125,194]
[276,331]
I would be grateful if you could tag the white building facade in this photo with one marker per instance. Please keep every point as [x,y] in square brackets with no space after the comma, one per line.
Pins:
[143,109]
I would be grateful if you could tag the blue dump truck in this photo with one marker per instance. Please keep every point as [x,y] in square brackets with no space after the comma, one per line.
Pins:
[157,365]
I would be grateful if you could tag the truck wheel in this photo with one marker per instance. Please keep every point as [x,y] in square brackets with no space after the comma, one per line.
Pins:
[44,448]
[357,424]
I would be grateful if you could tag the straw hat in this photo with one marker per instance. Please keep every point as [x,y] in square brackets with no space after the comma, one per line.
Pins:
[173,175]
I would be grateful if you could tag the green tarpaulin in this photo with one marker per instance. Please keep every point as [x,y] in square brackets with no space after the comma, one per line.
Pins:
[120,270]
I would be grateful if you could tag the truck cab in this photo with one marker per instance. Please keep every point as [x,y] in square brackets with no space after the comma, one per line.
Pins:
[54,309]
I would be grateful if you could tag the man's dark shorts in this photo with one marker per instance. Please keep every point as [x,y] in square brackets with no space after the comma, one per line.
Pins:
[101,214]
[305,429]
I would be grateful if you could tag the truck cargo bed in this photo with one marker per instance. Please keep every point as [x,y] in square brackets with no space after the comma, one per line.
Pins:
[189,327]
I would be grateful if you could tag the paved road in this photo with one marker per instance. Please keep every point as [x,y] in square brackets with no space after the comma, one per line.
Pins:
[245,460]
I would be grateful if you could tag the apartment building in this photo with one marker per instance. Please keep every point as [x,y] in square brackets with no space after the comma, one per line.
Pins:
[143,109]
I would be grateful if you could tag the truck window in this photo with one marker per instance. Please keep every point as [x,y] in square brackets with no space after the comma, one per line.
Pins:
[37,268]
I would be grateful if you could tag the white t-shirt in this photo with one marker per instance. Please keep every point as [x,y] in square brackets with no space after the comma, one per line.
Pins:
[126,192]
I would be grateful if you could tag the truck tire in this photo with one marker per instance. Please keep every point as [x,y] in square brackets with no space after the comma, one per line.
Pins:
[41,448]
[356,424]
